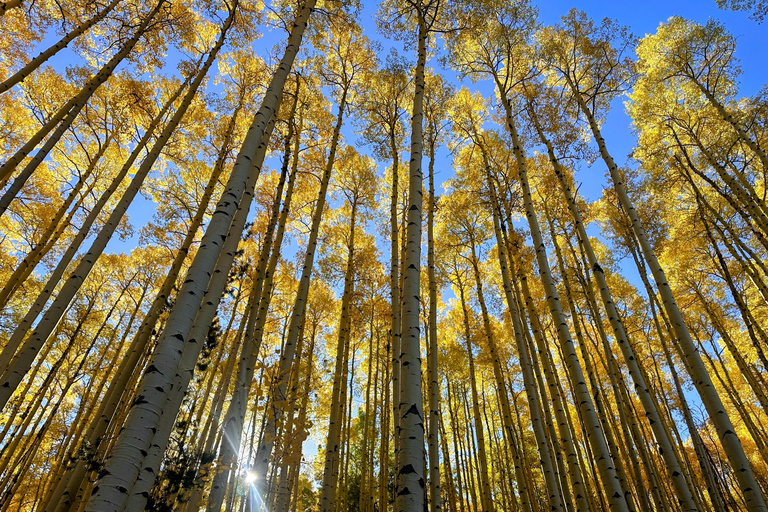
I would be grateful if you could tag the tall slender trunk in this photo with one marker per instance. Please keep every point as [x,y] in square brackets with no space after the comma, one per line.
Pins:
[554,496]
[386,433]
[46,54]
[121,467]
[331,467]
[234,418]
[394,294]
[13,376]
[434,382]
[549,420]
[77,436]
[597,390]
[482,462]
[299,434]
[192,347]
[210,432]
[453,502]
[709,396]
[362,502]
[409,476]
[702,455]
[65,116]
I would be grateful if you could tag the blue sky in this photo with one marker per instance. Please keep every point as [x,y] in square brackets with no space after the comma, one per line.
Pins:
[641,17]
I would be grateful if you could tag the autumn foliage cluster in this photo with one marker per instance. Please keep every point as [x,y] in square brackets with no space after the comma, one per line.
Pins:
[251,260]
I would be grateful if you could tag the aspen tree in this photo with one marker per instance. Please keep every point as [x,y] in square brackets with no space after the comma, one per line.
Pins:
[597,390]
[355,179]
[46,54]
[54,229]
[383,128]
[515,71]
[23,327]
[86,412]
[577,479]
[208,435]
[190,354]
[666,449]
[201,325]
[484,483]
[26,355]
[605,64]
[301,425]
[69,483]
[435,99]
[143,395]
[465,120]
[121,467]
[409,421]
[554,498]
[66,115]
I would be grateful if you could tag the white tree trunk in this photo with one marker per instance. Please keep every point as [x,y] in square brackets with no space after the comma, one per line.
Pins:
[409,475]
[53,50]
[234,419]
[26,356]
[433,439]
[191,352]
[550,476]
[395,332]
[709,396]
[64,117]
[61,499]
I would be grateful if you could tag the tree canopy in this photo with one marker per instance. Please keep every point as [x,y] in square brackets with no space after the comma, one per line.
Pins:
[296,256]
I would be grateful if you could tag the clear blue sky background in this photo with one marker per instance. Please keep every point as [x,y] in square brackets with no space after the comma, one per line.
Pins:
[643,17]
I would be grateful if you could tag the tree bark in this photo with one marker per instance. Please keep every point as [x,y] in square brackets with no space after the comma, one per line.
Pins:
[409,476]
[65,116]
[35,63]
[234,419]
[203,320]
[710,398]
[122,466]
